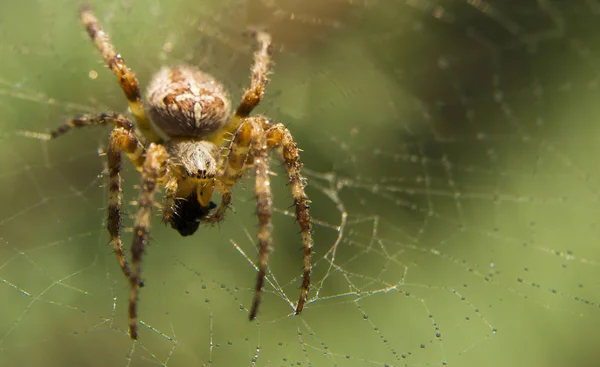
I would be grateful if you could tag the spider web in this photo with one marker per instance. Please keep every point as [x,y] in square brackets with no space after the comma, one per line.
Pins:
[450,148]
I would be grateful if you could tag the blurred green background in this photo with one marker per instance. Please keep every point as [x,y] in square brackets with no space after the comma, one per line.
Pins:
[451,149]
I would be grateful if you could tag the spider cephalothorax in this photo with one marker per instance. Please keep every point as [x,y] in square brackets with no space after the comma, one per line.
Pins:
[194,162]
[188,141]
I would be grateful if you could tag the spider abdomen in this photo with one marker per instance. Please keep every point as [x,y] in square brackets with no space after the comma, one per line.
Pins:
[186,102]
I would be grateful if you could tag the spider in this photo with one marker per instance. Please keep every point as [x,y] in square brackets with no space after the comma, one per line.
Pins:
[188,141]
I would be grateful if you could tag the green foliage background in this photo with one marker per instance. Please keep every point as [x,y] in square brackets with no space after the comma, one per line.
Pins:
[451,150]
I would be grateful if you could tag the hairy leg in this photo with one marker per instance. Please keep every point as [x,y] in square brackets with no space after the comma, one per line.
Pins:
[264,201]
[127,80]
[232,168]
[120,140]
[219,214]
[258,82]
[169,205]
[280,135]
[154,168]
[258,79]
[249,149]
[254,135]
[90,119]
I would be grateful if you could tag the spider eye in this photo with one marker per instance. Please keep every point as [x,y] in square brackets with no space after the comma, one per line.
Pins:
[202,173]
[189,214]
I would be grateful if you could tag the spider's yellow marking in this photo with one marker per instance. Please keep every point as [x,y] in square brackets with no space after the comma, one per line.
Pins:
[224,134]
[204,193]
[143,123]
[129,144]
[238,155]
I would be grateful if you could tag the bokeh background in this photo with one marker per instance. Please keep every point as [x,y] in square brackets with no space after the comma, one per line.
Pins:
[452,155]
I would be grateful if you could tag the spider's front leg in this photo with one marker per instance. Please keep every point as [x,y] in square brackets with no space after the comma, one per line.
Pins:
[153,169]
[127,80]
[258,83]
[121,139]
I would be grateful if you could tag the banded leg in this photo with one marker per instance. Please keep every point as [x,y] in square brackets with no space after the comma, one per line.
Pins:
[127,80]
[233,167]
[90,119]
[280,135]
[258,83]
[264,202]
[250,142]
[154,168]
[259,79]
[219,214]
[120,140]
[169,205]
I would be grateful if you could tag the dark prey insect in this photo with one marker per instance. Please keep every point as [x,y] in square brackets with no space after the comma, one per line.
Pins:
[187,140]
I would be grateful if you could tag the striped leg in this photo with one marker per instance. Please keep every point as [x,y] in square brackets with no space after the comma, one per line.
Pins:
[233,167]
[280,135]
[252,132]
[249,148]
[169,206]
[258,82]
[154,168]
[90,119]
[127,80]
[219,214]
[259,79]
[120,140]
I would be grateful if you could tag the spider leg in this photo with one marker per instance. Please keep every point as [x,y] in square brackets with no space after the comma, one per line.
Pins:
[255,138]
[219,214]
[252,134]
[120,140]
[233,167]
[153,169]
[259,79]
[127,80]
[89,119]
[258,83]
[280,135]
[250,141]
[169,207]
